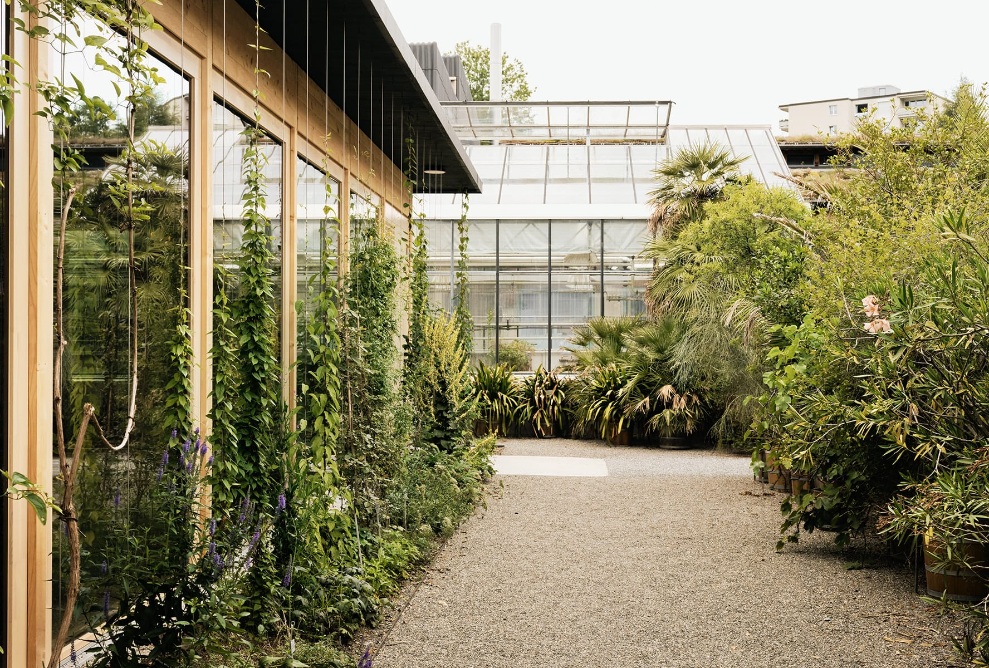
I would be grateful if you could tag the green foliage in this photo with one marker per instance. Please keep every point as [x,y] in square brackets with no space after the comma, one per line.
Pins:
[884,213]
[543,398]
[686,181]
[372,435]
[446,386]
[477,66]
[171,593]
[462,314]
[437,489]
[726,275]
[20,486]
[516,355]
[498,397]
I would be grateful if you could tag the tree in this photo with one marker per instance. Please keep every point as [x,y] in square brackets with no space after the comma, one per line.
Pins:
[477,67]
[686,181]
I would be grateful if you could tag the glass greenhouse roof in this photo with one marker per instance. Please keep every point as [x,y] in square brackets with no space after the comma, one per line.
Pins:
[645,121]
[593,177]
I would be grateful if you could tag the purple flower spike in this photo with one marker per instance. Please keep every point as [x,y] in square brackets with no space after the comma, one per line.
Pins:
[104,568]
[281,504]
[161,472]
[187,445]
[212,528]
[203,449]
[196,431]
[287,580]
[209,462]
[116,499]
[248,563]
[189,467]
[365,661]
[254,540]
[212,547]
[164,459]
[106,603]
[175,433]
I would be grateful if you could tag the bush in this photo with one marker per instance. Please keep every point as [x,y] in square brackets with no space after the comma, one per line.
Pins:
[516,355]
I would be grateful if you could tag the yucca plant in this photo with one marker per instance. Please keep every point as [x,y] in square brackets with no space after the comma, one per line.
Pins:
[543,396]
[498,397]
[602,404]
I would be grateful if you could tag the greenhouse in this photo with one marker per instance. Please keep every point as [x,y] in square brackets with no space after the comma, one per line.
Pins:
[557,233]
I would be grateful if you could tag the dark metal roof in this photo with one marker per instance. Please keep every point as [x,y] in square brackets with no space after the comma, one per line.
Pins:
[373,76]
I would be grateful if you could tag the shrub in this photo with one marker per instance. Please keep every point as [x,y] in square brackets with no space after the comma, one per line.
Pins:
[516,355]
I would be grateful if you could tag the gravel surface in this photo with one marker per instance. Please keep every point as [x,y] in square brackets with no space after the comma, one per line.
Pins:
[667,562]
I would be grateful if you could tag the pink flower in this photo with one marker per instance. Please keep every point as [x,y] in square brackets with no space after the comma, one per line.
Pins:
[879,326]
[871,306]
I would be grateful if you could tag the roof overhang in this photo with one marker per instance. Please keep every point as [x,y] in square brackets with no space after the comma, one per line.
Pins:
[355,52]
[589,121]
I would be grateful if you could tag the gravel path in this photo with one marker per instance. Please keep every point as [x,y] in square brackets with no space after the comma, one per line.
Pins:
[666,562]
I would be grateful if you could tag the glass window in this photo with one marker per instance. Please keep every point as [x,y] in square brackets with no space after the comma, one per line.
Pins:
[317,219]
[611,175]
[229,184]
[525,175]
[523,304]
[832,109]
[576,286]
[625,271]
[566,175]
[99,318]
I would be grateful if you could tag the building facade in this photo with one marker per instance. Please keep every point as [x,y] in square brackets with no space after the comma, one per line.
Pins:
[340,100]
[557,234]
[835,116]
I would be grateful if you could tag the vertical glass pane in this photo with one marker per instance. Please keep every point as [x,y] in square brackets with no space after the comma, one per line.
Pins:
[523,290]
[611,175]
[441,241]
[363,211]
[99,318]
[317,216]
[525,175]
[576,279]
[625,270]
[566,175]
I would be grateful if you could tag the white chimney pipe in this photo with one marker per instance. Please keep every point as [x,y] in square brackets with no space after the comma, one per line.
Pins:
[495,78]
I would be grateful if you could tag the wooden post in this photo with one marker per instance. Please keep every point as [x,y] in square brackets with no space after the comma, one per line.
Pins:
[29,432]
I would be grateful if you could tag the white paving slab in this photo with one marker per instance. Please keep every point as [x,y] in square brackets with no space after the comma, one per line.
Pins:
[564,467]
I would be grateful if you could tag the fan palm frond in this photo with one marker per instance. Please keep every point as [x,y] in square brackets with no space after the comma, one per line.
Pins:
[684,182]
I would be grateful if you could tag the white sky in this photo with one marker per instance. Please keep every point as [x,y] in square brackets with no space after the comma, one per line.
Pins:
[720,61]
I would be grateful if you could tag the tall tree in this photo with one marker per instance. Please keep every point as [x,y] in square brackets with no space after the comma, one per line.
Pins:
[477,66]
[684,182]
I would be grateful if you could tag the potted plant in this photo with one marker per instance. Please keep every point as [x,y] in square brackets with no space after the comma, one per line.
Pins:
[602,404]
[543,397]
[950,513]
[498,398]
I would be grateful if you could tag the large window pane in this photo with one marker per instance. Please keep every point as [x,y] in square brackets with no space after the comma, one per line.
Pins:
[523,285]
[625,270]
[98,315]
[576,285]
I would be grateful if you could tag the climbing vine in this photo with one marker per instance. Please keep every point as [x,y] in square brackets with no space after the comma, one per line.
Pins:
[462,314]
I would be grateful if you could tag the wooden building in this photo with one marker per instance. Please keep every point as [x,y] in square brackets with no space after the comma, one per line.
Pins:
[341,100]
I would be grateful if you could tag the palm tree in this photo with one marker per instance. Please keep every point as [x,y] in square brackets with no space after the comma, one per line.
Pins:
[693,176]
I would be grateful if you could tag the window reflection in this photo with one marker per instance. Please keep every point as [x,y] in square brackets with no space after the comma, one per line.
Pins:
[98,315]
